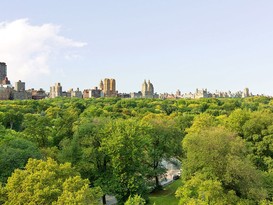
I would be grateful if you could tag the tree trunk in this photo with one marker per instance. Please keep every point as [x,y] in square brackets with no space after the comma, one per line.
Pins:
[157,185]
[104,199]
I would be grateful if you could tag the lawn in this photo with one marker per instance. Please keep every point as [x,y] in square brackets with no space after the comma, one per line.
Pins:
[165,196]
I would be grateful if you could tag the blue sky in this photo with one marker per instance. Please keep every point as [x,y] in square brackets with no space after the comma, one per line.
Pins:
[177,44]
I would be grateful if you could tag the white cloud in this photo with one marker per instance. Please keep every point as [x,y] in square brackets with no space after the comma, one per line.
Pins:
[27,49]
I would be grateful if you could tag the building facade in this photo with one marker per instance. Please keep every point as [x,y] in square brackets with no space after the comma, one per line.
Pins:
[109,87]
[136,95]
[95,93]
[20,86]
[85,93]
[6,82]
[19,92]
[201,93]
[92,93]
[147,89]
[246,93]
[3,71]
[76,93]
[21,95]
[56,90]
[5,93]
[38,94]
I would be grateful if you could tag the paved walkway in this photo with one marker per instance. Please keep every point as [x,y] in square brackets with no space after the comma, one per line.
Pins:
[169,176]
[111,200]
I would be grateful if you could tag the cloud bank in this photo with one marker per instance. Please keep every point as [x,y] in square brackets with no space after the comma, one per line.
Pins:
[27,49]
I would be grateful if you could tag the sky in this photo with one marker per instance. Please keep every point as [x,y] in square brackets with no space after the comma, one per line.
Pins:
[176,44]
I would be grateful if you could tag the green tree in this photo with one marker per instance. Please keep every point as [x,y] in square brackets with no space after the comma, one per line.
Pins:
[258,131]
[184,122]
[62,120]
[86,153]
[126,147]
[12,118]
[236,120]
[77,191]
[3,196]
[14,153]
[46,182]
[201,190]
[200,122]
[37,128]
[223,156]
[136,200]
[164,138]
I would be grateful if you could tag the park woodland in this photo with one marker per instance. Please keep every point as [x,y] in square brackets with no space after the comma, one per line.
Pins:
[84,151]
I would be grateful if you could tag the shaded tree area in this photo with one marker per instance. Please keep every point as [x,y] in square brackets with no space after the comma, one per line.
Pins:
[14,153]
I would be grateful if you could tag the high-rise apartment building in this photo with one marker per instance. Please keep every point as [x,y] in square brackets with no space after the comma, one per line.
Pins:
[92,93]
[147,90]
[76,93]
[246,93]
[3,71]
[20,86]
[201,93]
[19,92]
[109,87]
[113,85]
[56,90]
[101,85]
[106,86]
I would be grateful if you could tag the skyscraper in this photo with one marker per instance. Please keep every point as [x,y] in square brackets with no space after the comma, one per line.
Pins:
[106,86]
[101,85]
[144,88]
[147,89]
[3,71]
[113,85]
[246,93]
[56,90]
[109,87]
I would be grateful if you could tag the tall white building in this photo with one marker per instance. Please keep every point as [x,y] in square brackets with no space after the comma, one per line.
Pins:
[56,90]
[246,93]
[147,89]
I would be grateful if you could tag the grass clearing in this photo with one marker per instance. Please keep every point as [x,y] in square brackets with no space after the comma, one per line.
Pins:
[165,196]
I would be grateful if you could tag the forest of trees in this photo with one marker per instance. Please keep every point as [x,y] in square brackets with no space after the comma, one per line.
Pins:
[77,151]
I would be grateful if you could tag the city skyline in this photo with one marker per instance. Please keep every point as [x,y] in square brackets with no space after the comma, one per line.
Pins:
[176,44]
[106,88]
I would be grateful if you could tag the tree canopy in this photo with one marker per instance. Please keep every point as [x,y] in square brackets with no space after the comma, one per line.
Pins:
[47,182]
[120,145]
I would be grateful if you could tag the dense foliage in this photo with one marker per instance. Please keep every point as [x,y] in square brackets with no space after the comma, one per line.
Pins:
[46,182]
[225,145]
